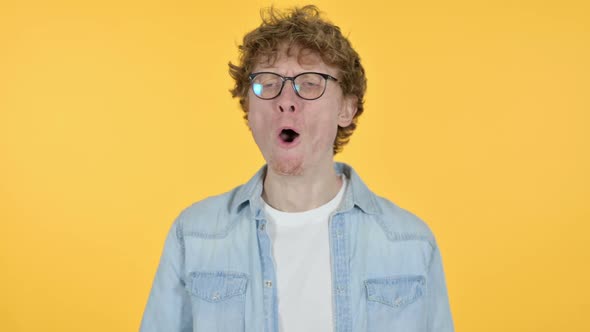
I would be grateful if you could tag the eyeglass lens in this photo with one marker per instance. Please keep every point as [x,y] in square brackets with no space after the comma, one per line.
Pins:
[306,86]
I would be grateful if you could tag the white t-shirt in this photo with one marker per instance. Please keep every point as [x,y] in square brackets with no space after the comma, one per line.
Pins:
[301,252]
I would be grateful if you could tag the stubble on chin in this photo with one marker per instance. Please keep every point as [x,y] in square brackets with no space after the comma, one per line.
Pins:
[287,167]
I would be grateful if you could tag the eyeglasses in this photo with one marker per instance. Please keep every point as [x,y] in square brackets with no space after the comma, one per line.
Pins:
[308,86]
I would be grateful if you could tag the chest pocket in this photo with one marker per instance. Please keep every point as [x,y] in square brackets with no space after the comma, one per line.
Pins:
[395,303]
[218,300]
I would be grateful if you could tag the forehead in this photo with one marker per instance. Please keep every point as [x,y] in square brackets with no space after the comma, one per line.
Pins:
[304,57]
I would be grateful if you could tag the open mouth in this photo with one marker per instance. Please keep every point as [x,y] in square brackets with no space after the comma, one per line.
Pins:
[288,135]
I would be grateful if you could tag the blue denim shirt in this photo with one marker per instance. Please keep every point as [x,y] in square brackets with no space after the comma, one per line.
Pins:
[217,273]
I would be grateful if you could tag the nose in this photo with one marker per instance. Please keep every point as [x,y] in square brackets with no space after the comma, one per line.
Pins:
[288,100]
[291,108]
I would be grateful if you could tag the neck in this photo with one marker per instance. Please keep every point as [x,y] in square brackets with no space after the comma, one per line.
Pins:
[297,193]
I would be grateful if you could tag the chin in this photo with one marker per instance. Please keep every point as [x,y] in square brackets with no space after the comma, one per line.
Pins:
[292,166]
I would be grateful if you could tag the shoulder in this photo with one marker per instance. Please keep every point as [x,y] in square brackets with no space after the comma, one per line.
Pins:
[400,224]
[397,223]
[211,217]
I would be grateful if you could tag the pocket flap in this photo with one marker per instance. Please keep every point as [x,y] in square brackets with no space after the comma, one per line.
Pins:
[218,286]
[395,291]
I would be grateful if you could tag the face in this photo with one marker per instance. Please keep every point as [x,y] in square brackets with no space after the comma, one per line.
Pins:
[297,135]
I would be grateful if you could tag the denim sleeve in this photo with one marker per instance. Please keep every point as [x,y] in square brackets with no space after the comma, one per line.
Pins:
[439,319]
[169,308]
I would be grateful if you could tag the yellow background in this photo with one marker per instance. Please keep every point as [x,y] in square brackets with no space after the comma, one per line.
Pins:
[115,115]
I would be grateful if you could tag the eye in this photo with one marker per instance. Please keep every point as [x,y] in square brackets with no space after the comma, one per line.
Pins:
[270,84]
[309,84]
[310,81]
[265,84]
[267,81]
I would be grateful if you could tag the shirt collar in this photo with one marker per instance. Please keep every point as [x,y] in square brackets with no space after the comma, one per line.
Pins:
[356,193]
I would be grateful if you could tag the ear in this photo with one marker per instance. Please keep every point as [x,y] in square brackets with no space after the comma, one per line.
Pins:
[348,110]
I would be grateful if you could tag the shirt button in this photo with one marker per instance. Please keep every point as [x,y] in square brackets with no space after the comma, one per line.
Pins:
[398,302]
[268,283]
[215,296]
[261,227]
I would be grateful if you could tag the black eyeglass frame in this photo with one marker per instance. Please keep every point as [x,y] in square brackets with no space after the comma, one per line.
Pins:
[292,79]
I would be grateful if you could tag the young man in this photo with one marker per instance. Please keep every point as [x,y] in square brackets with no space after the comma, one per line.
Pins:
[304,245]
